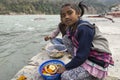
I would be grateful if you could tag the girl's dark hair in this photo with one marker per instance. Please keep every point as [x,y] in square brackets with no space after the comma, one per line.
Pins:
[62,28]
[78,8]
[82,6]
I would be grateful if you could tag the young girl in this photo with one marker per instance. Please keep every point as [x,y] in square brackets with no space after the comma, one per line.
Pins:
[61,28]
[91,56]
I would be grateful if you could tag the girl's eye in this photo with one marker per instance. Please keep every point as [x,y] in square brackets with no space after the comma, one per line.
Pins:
[69,12]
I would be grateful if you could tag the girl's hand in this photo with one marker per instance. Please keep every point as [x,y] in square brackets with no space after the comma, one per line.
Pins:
[47,38]
[61,69]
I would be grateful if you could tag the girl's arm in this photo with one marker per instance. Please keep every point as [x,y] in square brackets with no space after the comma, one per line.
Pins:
[52,35]
[55,33]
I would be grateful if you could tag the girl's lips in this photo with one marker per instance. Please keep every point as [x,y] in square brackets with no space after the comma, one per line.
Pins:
[68,21]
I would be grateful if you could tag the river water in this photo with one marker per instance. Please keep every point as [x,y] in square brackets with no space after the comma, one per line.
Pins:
[21,38]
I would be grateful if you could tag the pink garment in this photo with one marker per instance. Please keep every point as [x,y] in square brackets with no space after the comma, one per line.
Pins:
[55,33]
[95,70]
[103,56]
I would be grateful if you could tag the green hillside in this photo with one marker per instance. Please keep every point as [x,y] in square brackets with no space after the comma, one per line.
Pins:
[45,6]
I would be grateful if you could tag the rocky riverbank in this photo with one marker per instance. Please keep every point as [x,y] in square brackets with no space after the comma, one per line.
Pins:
[111,32]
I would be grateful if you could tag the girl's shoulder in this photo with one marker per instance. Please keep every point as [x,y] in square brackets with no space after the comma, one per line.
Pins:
[83,21]
[83,24]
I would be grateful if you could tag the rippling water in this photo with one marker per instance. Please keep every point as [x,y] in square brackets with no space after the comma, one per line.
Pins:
[21,37]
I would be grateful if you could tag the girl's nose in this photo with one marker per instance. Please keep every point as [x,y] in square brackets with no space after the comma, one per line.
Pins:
[67,16]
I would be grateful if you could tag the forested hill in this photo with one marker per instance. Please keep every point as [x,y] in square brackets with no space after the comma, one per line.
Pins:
[50,6]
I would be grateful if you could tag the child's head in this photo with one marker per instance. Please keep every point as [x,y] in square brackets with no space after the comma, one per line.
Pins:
[70,13]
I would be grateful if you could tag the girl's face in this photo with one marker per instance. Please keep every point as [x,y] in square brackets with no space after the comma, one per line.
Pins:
[69,16]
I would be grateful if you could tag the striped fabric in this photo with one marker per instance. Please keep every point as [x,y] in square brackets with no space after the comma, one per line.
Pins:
[95,70]
[102,56]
